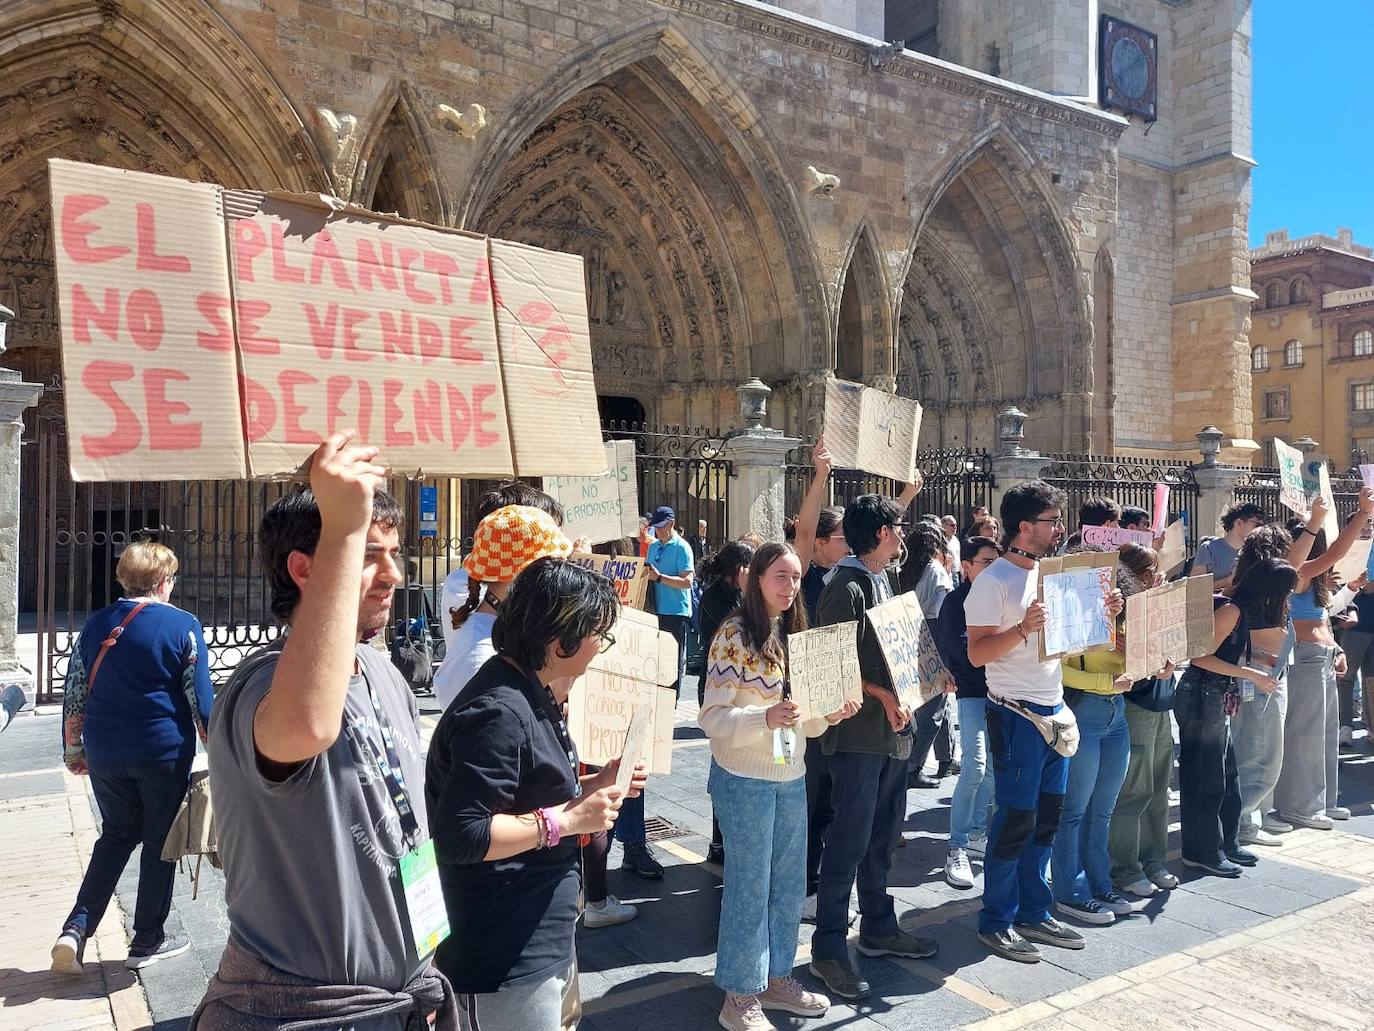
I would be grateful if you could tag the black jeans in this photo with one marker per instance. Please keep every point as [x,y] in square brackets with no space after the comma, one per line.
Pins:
[1209,802]
[929,732]
[138,802]
[820,814]
[678,627]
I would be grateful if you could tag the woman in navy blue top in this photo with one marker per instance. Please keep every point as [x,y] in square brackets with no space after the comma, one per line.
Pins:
[131,712]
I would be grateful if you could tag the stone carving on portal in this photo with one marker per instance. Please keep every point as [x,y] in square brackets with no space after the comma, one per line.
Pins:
[466,124]
[822,184]
[341,148]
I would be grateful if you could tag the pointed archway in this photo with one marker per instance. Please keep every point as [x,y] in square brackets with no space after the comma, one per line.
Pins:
[397,170]
[864,329]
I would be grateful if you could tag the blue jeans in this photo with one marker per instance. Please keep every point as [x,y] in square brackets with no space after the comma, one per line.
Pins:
[629,825]
[968,809]
[138,802]
[1081,864]
[868,794]
[765,877]
[1029,780]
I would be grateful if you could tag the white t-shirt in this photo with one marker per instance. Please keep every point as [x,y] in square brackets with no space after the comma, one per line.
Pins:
[453,596]
[468,650]
[999,598]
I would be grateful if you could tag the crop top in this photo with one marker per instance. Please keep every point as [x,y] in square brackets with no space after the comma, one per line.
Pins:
[1304,605]
[1237,642]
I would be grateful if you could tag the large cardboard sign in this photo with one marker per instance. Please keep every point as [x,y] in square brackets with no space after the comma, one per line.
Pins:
[627,573]
[823,669]
[913,662]
[600,508]
[1355,561]
[1172,548]
[213,333]
[1292,488]
[626,675]
[1317,480]
[1171,623]
[1074,590]
[1115,537]
[871,430]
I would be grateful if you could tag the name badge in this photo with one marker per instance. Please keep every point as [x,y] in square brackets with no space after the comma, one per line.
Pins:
[424,899]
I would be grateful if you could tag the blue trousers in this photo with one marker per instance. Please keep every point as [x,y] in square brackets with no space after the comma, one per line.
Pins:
[629,825]
[765,877]
[1081,864]
[868,794]
[1029,780]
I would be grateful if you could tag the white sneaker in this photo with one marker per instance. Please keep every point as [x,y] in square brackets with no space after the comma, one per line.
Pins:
[1274,825]
[1120,905]
[958,873]
[977,846]
[1259,836]
[1090,912]
[1143,888]
[67,953]
[611,912]
[1338,812]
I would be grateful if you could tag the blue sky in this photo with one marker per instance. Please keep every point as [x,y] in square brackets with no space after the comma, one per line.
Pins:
[1313,117]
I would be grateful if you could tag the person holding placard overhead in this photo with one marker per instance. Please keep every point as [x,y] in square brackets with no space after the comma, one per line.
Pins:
[758,766]
[1030,731]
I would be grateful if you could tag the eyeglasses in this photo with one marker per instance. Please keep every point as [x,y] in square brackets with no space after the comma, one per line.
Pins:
[983,561]
[1056,520]
[607,642]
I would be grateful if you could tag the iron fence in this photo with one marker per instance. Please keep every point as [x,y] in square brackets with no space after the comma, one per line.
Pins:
[1127,481]
[1261,487]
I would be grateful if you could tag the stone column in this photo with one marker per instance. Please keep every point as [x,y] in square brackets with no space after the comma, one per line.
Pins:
[1216,483]
[758,456]
[1013,463]
[15,397]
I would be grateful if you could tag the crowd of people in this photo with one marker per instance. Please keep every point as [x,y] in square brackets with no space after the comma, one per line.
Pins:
[372,885]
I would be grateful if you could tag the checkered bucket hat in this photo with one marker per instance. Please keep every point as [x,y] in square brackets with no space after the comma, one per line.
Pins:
[510,539]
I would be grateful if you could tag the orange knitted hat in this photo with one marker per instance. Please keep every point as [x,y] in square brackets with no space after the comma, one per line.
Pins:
[510,539]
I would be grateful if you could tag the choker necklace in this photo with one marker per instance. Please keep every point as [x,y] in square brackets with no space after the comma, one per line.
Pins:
[1023,554]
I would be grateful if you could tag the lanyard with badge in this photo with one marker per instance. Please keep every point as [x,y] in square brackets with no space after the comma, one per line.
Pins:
[423,896]
[785,738]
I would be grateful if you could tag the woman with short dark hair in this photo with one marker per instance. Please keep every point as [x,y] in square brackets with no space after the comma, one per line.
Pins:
[507,807]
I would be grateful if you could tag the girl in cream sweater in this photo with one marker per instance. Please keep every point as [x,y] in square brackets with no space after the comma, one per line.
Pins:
[757,784]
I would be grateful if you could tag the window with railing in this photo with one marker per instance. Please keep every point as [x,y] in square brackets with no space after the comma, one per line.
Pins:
[1259,359]
[1292,353]
[1276,404]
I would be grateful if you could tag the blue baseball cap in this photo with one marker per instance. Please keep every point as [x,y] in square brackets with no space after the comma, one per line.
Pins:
[663,515]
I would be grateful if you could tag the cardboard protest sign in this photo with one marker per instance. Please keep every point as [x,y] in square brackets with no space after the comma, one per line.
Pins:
[597,507]
[1367,475]
[1172,547]
[626,573]
[1292,488]
[871,430]
[1161,510]
[823,669]
[627,674]
[1355,561]
[1171,623]
[151,391]
[1115,537]
[1318,478]
[1074,590]
[917,671]
[223,333]
[638,744]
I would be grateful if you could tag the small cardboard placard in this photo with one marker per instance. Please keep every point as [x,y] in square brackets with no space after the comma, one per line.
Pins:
[638,744]
[1074,590]
[871,430]
[823,669]
[630,672]
[1355,561]
[1172,548]
[1115,537]
[627,573]
[216,334]
[1292,487]
[1317,478]
[600,508]
[1170,623]
[913,662]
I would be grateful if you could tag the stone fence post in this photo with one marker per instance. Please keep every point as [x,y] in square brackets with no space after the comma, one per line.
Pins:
[1013,463]
[1216,483]
[758,457]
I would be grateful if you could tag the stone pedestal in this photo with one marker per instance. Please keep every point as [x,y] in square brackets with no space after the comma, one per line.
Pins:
[758,499]
[1216,490]
[15,397]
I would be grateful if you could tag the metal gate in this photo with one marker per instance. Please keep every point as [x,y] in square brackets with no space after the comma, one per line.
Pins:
[1127,481]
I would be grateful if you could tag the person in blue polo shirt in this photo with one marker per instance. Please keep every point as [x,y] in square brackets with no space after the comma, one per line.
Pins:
[671,569]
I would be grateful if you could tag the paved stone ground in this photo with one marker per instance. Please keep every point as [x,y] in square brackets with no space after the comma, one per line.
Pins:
[1284,947]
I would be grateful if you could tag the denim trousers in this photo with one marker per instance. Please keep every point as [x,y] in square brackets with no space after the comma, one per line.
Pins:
[1308,782]
[1029,779]
[765,877]
[1138,840]
[820,814]
[1257,735]
[1080,861]
[968,809]
[138,802]
[629,825]
[868,794]
[1209,795]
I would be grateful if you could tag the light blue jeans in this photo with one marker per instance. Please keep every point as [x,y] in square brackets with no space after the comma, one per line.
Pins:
[764,823]
[968,809]
[1080,861]
[1257,736]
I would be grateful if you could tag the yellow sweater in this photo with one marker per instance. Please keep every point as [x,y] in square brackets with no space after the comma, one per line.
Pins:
[1094,672]
[740,687]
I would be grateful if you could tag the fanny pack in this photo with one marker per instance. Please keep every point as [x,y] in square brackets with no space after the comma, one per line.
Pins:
[1060,730]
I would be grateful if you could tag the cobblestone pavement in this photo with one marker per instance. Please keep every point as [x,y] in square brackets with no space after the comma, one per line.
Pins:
[1284,947]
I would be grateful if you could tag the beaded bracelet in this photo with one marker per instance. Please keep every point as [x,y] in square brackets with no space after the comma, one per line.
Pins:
[543,829]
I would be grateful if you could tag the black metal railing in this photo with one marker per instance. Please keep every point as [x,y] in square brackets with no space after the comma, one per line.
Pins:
[1127,481]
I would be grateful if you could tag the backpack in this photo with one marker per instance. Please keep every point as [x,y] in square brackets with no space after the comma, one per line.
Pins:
[412,653]
[1187,570]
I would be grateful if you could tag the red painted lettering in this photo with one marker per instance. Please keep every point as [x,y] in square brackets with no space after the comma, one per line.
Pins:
[459,416]
[259,409]
[335,388]
[431,339]
[364,410]
[84,312]
[215,310]
[398,334]
[536,313]
[163,433]
[429,412]
[445,267]
[461,347]
[281,271]
[75,233]
[144,313]
[326,256]
[249,243]
[408,257]
[99,378]
[291,410]
[392,415]
[370,264]
[148,259]
[352,319]
[323,329]
[483,289]
[481,416]
[250,332]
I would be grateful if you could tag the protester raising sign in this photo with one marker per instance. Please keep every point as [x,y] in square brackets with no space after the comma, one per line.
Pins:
[917,671]
[823,669]
[601,508]
[1292,489]
[211,333]
[1115,537]
[1172,623]
[626,573]
[870,430]
[1074,590]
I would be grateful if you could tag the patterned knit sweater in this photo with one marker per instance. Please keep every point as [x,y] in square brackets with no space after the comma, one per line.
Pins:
[740,686]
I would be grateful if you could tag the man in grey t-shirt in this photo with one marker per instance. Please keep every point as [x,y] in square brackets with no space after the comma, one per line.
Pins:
[1218,556]
[317,776]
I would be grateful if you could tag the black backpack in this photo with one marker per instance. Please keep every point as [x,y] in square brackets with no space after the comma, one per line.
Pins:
[412,653]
